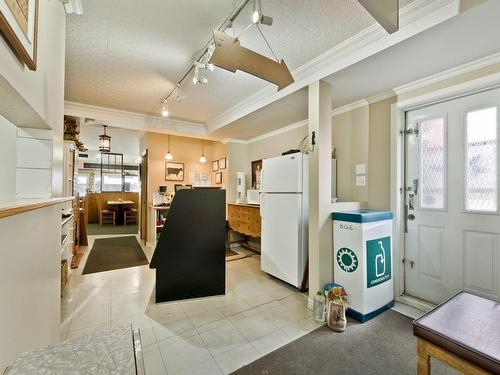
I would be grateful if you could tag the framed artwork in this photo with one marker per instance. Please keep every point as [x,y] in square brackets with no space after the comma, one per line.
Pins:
[19,25]
[174,171]
[222,163]
[215,166]
[256,166]
[218,178]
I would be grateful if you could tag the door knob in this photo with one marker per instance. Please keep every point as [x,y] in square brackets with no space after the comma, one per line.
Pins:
[411,217]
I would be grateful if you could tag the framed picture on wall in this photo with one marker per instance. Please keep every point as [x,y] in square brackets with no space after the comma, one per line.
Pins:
[222,163]
[215,166]
[174,171]
[256,166]
[218,178]
[19,25]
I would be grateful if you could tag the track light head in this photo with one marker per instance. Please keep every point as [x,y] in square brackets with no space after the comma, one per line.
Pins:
[164,110]
[258,16]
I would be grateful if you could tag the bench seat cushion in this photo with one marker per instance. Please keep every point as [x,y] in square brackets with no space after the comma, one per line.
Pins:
[466,325]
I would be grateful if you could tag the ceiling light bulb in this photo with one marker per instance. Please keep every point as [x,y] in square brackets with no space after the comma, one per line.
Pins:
[164,110]
[169,156]
[257,11]
[203,159]
[255,16]
[195,80]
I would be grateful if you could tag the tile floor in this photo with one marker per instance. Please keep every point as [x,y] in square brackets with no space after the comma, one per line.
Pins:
[215,335]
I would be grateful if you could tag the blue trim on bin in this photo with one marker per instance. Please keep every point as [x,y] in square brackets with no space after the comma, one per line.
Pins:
[362,216]
[356,315]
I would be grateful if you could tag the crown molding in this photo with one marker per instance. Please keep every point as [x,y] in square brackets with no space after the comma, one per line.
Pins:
[414,18]
[449,73]
[134,121]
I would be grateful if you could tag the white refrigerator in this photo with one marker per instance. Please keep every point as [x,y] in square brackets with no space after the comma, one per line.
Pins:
[284,216]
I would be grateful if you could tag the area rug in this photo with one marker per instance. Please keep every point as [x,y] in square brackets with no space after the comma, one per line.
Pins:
[383,345]
[114,253]
[96,229]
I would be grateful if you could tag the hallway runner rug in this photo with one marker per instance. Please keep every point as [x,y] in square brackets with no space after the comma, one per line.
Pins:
[114,253]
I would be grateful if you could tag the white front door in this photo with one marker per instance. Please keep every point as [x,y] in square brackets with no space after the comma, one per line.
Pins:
[452,176]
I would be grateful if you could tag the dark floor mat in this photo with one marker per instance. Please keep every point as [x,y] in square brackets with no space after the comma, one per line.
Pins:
[114,253]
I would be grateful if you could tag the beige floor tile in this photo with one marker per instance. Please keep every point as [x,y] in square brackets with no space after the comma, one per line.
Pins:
[252,325]
[153,362]
[236,358]
[299,328]
[221,339]
[206,317]
[166,330]
[208,367]
[184,354]
[270,342]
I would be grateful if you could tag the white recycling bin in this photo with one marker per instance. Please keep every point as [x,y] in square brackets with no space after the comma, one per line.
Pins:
[362,241]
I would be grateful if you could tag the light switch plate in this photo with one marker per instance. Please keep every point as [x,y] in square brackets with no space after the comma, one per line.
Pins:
[360,180]
[360,168]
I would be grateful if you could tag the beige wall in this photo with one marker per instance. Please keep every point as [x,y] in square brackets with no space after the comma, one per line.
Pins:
[350,137]
[185,150]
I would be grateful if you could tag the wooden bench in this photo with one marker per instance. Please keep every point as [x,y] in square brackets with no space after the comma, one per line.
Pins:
[463,332]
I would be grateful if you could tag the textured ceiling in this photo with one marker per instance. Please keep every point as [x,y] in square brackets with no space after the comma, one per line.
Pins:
[125,54]
[430,52]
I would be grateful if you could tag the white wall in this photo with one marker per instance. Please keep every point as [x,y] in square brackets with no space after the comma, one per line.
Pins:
[7,160]
[43,89]
[29,281]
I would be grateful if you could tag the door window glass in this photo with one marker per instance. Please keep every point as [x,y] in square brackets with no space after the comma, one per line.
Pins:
[481,160]
[432,164]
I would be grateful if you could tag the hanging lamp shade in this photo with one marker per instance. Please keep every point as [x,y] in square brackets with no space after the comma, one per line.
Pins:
[202,159]
[104,141]
[168,155]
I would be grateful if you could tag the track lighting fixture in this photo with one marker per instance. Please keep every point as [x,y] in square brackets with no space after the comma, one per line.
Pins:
[258,17]
[164,110]
[197,78]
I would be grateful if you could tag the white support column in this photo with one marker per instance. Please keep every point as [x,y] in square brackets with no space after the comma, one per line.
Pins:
[320,225]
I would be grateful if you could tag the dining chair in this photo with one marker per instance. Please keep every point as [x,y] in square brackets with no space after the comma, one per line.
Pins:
[130,215]
[105,215]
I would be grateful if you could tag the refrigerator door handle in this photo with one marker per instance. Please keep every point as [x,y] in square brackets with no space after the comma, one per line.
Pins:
[261,206]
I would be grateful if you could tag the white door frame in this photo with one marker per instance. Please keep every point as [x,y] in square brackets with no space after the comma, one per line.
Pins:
[398,123]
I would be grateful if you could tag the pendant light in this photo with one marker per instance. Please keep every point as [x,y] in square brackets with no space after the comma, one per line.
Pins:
[168,155]
[104,141]
[202,159]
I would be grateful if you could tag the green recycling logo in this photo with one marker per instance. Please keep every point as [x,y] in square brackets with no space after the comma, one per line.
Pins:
[347,259]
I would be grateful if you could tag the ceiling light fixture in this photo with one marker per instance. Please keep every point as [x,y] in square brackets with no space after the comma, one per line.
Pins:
[168,155]
[202,159]
[164,110]
[73,7]
[197,78]
[258,16]
[104,141]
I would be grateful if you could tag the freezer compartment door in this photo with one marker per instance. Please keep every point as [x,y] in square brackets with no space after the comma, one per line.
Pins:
[282,174]
[282,237]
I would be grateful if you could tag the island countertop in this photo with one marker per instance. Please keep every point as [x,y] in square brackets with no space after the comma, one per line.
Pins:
[24,205]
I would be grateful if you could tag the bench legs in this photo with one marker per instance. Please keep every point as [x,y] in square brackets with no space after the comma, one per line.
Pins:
[426,350]
[423,358]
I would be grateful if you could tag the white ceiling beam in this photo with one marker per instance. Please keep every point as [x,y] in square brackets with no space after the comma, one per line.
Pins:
[415,18]
[135,121]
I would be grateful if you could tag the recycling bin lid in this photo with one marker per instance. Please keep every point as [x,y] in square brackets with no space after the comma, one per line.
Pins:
[362,216]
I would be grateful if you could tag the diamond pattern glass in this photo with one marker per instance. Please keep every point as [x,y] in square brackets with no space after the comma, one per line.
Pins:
[432,164]
[481,160]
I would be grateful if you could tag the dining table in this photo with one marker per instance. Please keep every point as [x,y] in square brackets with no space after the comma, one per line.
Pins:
[120,204]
